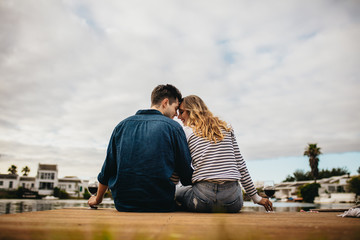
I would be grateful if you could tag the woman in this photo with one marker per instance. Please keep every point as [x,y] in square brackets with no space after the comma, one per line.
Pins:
[217,162]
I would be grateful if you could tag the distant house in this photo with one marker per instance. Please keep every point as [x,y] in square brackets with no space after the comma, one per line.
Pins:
[333,189]
[286,190]
[45,181]
[9,181]
[46,178]
[72,185]
[27,182]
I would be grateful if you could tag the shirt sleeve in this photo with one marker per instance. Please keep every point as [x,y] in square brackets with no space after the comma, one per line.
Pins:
[108,169]
[245,177]
[183,158]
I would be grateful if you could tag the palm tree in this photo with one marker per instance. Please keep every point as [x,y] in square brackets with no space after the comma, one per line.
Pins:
[25,170]
[312,151]
[12,169]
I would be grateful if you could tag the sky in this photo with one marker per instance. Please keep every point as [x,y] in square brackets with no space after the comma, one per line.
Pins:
[283,73]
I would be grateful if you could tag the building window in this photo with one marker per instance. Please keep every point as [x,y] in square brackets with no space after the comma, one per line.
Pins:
[32,185]
[10,184]
[331,189]
[80,188]
[69,186]
[47,175]
[23,185]
[1,183]
[340,189]
[46,185]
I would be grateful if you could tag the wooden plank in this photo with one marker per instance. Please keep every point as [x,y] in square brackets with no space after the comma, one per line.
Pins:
[330,210]
[82,223]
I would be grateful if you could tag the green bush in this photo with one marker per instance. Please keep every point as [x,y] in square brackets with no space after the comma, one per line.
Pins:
[355,185]
[86,194]
[61,193]
[8,194]
[309,192]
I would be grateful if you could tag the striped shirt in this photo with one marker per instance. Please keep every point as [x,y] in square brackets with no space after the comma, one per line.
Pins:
[219,162]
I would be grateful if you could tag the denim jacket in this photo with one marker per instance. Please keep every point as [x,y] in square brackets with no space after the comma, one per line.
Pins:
[143,152]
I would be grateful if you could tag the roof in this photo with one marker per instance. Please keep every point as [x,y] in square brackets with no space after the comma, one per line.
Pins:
[52,167]
[69,180]
[8,176]
[25,178]
[333,179]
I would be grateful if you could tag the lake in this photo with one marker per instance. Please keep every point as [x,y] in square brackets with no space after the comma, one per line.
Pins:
[10,206]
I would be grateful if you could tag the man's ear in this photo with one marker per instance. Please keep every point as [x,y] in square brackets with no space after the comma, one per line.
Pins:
[164,103]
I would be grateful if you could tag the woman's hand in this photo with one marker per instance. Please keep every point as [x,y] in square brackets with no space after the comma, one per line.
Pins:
[266,203]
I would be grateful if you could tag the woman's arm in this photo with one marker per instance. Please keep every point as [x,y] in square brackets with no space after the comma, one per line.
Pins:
[246,180]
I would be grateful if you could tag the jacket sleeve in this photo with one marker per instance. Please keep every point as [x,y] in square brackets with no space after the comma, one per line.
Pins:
[183,158]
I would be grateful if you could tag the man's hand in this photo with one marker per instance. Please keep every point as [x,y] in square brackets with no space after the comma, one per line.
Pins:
[267,204]
[96,200]
[93,202]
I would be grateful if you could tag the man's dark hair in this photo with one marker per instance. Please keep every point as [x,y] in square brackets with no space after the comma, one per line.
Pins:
[165,91]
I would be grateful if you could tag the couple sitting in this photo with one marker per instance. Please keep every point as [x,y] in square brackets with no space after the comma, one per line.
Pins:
[148,150]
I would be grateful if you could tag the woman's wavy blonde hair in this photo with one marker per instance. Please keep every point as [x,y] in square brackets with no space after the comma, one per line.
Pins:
[202,121]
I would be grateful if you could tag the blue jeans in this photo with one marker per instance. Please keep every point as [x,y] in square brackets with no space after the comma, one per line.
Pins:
[210,197]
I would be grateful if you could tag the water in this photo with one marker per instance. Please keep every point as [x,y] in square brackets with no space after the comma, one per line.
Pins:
[295,206]
[10,206]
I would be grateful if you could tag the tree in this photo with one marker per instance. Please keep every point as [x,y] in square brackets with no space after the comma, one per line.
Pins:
[289,178]
[25,170]
[312,151]
[355,185]
[325,173]
[309,192]
[12,169]
[300,175]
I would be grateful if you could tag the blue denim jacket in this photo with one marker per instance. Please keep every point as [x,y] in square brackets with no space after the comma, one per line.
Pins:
[143,152]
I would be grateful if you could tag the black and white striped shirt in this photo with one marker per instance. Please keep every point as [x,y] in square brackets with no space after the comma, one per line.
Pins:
[219,162]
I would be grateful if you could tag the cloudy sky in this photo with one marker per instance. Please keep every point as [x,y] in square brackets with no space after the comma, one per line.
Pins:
[283,73]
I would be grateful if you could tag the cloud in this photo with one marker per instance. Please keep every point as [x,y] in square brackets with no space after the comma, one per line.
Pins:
[282,73]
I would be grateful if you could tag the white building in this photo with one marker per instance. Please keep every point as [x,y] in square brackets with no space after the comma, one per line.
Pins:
[289,189]
[27,182]
[46,178]
[45,181]
[333,189]
[9,181]
[72,185]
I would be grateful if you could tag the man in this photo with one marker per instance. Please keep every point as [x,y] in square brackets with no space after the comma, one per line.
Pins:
[143,153]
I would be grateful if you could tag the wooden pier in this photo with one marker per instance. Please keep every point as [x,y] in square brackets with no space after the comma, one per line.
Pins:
[83,223]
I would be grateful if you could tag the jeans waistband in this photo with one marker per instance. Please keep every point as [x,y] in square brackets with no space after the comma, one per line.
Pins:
[211,185]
